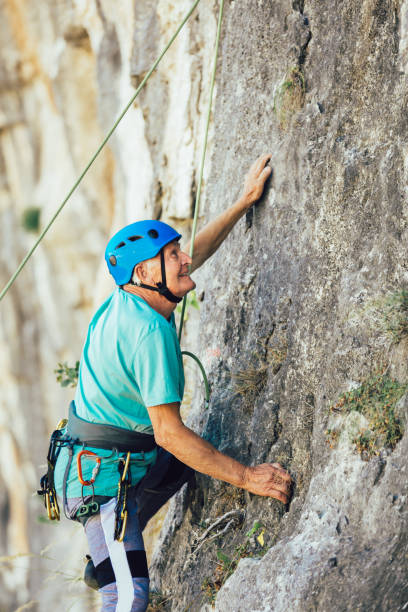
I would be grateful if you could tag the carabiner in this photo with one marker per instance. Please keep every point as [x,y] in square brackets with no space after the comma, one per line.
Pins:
[52,507]
[123,530]
[94,471]
[125,469]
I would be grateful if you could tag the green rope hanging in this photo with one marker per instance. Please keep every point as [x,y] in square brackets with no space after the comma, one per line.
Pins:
[204,375]
[200,180]
[198,198]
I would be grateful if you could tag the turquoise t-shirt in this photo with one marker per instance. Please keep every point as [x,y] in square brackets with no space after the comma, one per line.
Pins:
[131,360]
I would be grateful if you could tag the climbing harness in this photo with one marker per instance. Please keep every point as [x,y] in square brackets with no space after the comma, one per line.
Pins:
[108,437]
[121,513]
[78,432]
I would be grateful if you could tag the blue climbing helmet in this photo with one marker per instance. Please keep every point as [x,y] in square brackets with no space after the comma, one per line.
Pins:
[135,243]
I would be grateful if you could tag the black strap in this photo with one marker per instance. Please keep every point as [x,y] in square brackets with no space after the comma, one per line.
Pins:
[64,482]
[107,437]
[161,287]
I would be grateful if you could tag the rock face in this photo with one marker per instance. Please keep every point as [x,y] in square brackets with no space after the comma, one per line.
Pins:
[307,302]
[295,315]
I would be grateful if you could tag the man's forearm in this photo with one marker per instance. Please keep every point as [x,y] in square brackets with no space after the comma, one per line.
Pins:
[214,233]
[171,433]
[200,455]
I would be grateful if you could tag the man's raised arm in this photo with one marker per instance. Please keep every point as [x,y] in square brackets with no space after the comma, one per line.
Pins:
[214,233]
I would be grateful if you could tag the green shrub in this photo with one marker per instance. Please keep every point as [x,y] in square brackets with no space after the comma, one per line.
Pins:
[376,399]
[67,376]
[227,565]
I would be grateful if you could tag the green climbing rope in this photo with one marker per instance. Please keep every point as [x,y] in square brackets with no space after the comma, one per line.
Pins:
[76,184]
[200,180]
[206,383]
[198,198]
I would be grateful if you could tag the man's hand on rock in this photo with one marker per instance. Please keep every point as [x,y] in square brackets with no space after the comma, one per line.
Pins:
[255,181]
[269,480]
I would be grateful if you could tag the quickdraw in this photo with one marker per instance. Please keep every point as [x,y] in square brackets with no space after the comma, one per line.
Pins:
[57,441]
[91,507]
[121,513]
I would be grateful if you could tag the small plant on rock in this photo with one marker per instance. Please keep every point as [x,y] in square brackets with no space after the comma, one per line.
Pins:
[66,375]
[249,382]
[157,602]
[226,565]
[396,315]
[332,437]
[376,399]
[290,96]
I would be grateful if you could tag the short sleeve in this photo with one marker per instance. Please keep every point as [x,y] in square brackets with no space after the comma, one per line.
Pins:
[157,368]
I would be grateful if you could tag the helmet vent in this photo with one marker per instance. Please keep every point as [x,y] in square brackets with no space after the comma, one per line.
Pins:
[121,244]
[153,233]
[134,238]
[112,260]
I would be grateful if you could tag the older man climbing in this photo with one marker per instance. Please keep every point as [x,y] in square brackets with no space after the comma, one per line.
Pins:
[126,449]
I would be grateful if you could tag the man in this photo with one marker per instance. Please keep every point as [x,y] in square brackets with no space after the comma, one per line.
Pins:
[131,378]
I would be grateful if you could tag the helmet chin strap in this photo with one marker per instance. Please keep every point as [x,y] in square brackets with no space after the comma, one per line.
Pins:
[161,286]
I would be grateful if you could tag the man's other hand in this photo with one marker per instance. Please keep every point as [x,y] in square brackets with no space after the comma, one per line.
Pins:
[255,180]
[269,480]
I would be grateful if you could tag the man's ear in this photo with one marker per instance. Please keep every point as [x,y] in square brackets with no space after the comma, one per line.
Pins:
[139,273]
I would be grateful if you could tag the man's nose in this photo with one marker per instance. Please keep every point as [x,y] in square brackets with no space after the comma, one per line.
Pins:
[186,258]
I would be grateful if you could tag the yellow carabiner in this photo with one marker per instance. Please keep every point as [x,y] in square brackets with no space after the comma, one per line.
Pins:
[48,506]
[54,514]
[62,424]
[55,508]
[122,533]
[125,469]
[52,508]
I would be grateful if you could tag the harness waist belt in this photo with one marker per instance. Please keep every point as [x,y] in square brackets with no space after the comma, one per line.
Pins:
[107,436]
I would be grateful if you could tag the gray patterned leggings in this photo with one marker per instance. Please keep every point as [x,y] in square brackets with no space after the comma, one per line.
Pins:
[121,567]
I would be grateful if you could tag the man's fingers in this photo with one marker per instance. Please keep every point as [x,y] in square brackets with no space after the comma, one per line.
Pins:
[279,496]
[259,164]
[269,480]
[283,473]
[282,486]
[261,161]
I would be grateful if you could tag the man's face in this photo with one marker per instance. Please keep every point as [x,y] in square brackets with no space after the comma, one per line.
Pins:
[177,276]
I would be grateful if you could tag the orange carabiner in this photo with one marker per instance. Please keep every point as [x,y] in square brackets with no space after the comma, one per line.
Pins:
[87,483]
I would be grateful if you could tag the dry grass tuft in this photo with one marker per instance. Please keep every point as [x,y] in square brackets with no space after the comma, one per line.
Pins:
[290,96]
